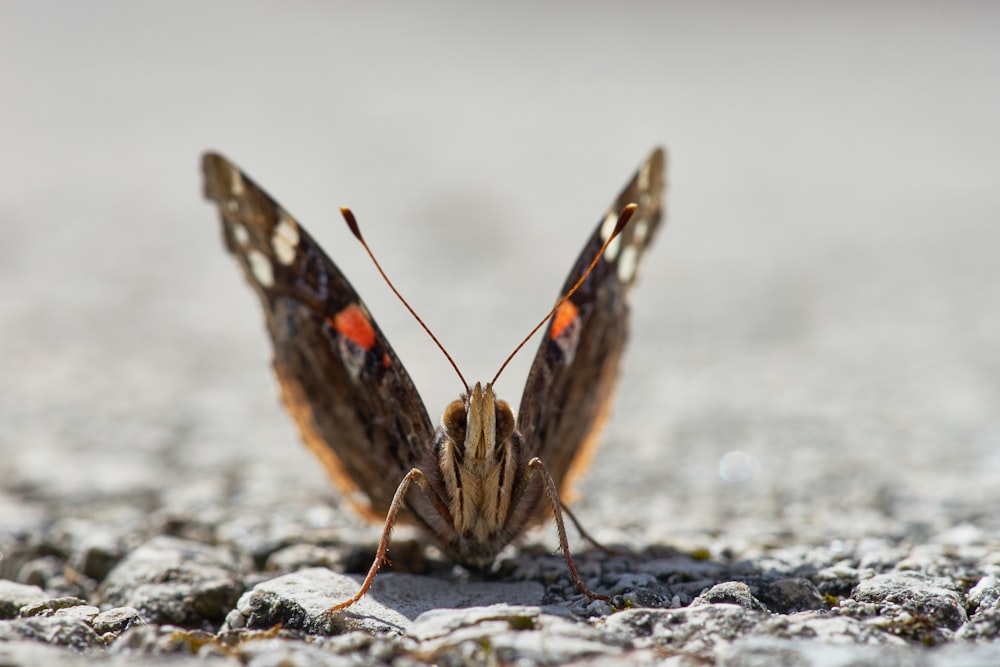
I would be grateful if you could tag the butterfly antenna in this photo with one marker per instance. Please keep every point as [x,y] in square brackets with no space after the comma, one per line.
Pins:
[352,223]
[623,217]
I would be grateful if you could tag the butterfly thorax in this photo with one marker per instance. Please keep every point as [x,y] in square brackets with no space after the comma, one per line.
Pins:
[479,461]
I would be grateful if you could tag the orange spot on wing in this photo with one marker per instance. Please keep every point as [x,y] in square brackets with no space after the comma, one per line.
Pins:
[351,322]
[564,316]
[386,361]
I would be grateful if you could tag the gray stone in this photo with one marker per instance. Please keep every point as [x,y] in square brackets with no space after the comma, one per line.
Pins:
[698,631]
[733,635]
[913,605]
[437,623]
[879,556]
[262,534]
[541,565]
[984,626]
[730,592]
[84,612]
[60,630]
[50,606]
[636,589]
[93,547]
[984,595]
[117,620]
[790,595]
[40,571]
[300,556]
[828,628]
[506,633]
[159,640]
[96,554]
[14,596]
[837,580]
[52,574]
[300,600]
[598,608]
[676,567]
[290,653]
[170,580]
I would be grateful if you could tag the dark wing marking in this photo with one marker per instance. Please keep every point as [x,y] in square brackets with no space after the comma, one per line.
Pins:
[350,396]
[571,383]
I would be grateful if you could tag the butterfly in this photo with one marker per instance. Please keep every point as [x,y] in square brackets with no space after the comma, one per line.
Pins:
[482,476]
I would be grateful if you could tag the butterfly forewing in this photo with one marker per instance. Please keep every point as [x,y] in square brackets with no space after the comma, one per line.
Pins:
[571,382]
[354,403]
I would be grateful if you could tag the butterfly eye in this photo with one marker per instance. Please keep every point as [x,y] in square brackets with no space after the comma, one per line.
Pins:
[454,420]
[505,421]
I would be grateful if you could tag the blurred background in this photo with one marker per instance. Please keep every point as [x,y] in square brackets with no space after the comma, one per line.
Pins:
[814,344]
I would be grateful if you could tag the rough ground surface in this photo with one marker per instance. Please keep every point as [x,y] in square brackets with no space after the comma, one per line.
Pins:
[803,465]
[161,587]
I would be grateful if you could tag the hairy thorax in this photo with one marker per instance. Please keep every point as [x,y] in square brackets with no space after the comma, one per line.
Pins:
[480,469]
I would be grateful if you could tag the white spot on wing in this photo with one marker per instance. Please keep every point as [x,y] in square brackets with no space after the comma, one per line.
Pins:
[285,239]
[260,267]
[608,226]
[607,229]
[643,181]
[241,234]
[612,252]
[640,231]
[627,263]
[236,185]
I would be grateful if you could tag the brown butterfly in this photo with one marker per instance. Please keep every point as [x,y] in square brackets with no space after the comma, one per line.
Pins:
[482,477]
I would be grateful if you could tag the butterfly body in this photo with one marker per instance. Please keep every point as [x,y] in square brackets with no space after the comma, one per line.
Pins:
[483,476]
[479,461]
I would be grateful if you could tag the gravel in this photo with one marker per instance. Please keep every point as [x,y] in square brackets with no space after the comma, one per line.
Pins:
[169,596]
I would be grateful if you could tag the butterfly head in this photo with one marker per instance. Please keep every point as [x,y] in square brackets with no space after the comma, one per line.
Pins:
[478,423]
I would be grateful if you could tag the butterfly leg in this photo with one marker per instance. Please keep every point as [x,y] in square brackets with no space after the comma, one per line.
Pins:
[535,466]
[415,475]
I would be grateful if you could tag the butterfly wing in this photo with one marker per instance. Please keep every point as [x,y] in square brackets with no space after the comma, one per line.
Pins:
[354,403]
[572,379]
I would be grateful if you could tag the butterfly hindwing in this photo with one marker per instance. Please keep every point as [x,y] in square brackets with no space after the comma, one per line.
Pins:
[353,401]
[571,382]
